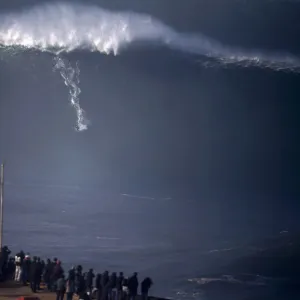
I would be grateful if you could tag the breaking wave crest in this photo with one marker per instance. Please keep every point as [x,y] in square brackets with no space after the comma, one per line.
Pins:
[64,27]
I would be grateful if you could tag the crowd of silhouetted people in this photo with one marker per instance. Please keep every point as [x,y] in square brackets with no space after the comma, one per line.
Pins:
[33,271]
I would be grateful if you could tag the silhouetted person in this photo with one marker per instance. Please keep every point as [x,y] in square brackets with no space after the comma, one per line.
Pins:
[145,287]
[33,274]
[26,269]
[10,268]
[113,286]
[57,273]
[79,269]
[48,270]
[133,284]
[79,283]
[39,272]
[98,286]
[18,263]
[4,255]
[89,280]
[60,288]
[125,290]
[70,285]
[119,286]
[105,285]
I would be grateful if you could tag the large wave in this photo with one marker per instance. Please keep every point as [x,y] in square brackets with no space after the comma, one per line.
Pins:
[65,27]
[62,27]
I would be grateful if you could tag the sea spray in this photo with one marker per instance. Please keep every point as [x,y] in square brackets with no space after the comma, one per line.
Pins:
[65,27]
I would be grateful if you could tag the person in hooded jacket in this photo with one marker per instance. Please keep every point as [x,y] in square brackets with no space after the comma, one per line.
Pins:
[145,286]
[133,284]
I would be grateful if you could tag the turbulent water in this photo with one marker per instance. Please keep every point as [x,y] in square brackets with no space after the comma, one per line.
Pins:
[139,85]
[61,28]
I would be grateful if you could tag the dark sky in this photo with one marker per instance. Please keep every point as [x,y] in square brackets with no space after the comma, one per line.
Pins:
[161,123]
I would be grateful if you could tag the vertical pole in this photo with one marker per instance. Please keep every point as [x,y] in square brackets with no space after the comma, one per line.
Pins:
[1,203]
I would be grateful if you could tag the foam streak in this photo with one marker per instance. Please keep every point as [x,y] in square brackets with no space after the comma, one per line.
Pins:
[70,76]
[65,27]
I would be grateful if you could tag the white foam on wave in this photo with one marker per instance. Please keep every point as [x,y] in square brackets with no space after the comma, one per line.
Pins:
[107,238]
[64,27]
[255,281]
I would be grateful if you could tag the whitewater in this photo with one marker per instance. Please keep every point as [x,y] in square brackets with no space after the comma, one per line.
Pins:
[64,27]
[61,28]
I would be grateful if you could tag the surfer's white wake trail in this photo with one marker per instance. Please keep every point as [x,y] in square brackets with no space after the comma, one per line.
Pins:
[70,76]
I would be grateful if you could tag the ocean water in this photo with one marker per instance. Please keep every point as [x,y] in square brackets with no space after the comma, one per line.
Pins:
[156,137]
[107,231]
[162,238]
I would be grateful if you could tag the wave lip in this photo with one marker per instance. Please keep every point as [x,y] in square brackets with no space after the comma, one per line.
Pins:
[64,27]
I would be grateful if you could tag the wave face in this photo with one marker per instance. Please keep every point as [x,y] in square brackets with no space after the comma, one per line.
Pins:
[62,27]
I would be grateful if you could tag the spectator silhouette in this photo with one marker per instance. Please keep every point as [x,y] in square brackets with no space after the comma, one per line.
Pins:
[145,286]
[60,288]
[133,284]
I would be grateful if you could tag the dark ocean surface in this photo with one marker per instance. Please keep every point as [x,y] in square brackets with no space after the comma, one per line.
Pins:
[192,144]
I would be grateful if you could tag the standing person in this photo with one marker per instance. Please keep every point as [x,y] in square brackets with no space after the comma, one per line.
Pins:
[70,285]
[133,284]
[89,280]
[98,286]
[47,274]
[60,287]
[105,285]
[113,286]
[25,269]
[125,290]
[79,283]
[119,286]
[11,268]
[18,263]
[145,286]
[57,273]
[39,273]
[33,274]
